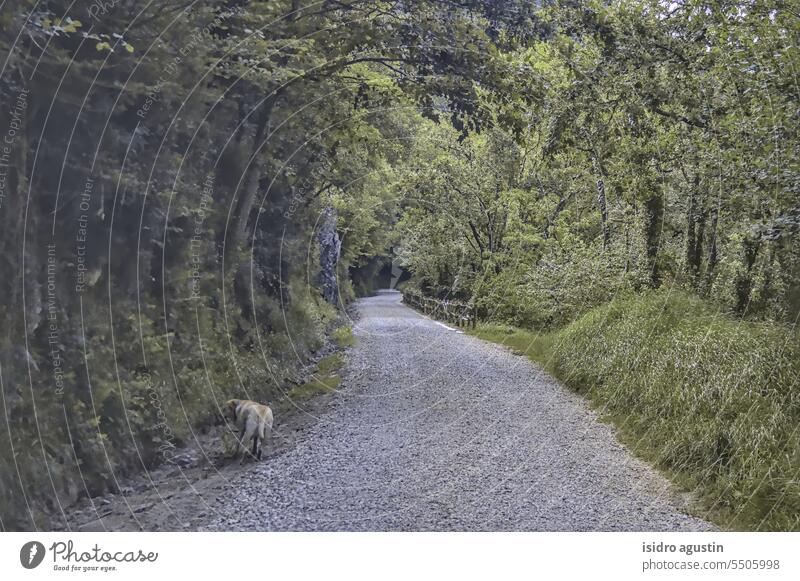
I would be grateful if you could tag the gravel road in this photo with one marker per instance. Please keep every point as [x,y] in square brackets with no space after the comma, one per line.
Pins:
[435,430]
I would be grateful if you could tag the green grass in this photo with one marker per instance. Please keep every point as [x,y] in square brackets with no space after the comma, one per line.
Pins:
[315,387]
[330,365]
[324,379]
[711,400]
[343,337]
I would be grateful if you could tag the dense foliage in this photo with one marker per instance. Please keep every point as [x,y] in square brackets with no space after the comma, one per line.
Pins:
[188,188]
[661,150]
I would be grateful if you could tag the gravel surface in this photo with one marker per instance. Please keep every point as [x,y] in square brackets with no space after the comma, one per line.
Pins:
[435,430]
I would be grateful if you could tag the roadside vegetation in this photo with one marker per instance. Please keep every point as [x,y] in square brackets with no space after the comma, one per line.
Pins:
[326,375]
[709,399]
[325,378]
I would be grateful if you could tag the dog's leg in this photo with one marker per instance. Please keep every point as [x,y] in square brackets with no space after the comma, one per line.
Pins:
[237,444]
[267,438]
[249,433]
[256,447]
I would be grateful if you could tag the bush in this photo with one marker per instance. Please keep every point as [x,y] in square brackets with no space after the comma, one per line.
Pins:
[564,284]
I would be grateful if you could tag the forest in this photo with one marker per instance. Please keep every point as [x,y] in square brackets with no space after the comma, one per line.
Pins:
[192,192]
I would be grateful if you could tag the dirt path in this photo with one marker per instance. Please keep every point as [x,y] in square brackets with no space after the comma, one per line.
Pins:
[186,494]
[437,430]
[431,429]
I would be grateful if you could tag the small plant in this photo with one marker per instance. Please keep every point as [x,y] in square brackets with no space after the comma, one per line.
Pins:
[343,337]
[324,379]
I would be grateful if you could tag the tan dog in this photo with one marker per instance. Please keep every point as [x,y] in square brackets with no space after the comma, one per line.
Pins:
[254,421]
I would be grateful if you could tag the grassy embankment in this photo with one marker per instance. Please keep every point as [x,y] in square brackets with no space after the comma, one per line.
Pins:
[712,401]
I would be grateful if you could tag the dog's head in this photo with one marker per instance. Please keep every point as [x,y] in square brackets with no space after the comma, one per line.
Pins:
[230,408]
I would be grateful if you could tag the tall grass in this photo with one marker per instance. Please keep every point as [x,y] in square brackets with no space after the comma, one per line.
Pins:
[712,400]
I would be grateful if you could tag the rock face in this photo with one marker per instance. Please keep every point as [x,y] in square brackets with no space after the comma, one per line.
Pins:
[330,249]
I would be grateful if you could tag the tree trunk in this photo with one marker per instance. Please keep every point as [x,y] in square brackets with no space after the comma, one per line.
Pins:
[654,208]
[697,255]
[690,238]
[330,250]
[601,204]
[249,187]
[695,225]
[712,252]
[551,219]
[744,282]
